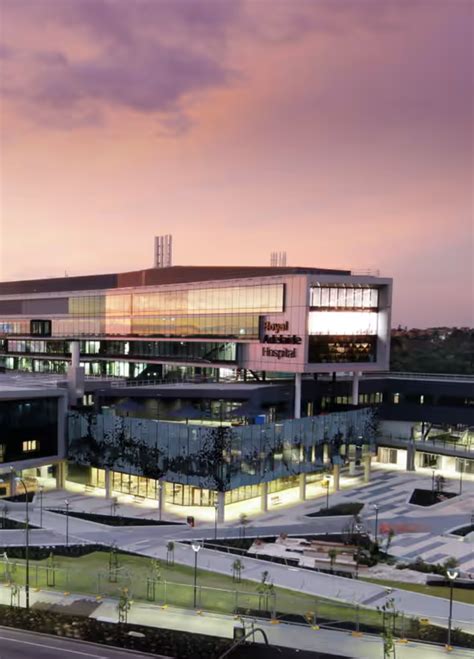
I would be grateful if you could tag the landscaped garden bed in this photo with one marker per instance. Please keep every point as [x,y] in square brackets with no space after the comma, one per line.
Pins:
[350,508]
[114,520]
[464,530]
[425,498]
[12,524]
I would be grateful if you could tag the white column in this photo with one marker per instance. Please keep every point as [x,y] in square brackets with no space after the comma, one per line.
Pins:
[108,484]
[75,375]
[355,387]
[264,498]
[221,507]
[336,473]
[411,457]
[367,463]
[302,487]
[297,413]
[161,497]
[352,467]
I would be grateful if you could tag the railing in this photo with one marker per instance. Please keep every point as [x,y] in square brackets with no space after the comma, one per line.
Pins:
[426,444]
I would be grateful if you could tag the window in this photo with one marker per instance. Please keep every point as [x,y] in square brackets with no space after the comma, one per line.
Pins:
[30,446]
[2,452]
[396,399]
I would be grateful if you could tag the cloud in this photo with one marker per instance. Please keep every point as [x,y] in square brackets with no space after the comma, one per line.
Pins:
[137,55]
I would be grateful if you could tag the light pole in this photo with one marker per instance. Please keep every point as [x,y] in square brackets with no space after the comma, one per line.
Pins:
[216,515]
[41,488]
[27,541]
[67,522]
[433,481]
[376,508]
[451,574]
[196,547]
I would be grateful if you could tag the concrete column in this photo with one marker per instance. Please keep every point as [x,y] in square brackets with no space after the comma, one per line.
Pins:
[326,457]
[61,474]
[44,472]
[302,487]
[264,498]
[221,507]
[297,412]
[352,468]
[108,484]
[410,457]
[12,479]
[355,387]
[367,464]
[75,375]
[161,496]
[336,473]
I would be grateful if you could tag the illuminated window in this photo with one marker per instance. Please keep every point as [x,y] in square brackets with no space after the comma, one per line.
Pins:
[396,399]
[3,449]
[30,446]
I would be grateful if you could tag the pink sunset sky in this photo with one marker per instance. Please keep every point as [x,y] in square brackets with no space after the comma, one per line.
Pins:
[339,131]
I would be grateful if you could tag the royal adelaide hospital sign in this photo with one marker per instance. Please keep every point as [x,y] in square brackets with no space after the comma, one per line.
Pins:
[275,333]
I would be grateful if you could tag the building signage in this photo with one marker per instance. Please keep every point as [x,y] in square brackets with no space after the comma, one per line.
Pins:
[278,337]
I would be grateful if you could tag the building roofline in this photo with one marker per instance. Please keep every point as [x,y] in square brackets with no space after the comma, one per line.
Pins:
[155,277]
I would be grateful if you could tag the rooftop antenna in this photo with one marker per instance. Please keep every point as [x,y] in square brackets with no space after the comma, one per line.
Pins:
[163,257]
[278,259]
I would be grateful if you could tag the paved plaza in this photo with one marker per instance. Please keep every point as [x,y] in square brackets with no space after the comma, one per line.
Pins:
[418,531]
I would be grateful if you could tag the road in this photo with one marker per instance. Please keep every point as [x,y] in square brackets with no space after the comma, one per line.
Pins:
[19,644]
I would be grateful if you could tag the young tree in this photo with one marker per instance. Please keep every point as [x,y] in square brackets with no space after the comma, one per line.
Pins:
[390,535]
[332,554]
[244,521]
[237,567]
[170,553]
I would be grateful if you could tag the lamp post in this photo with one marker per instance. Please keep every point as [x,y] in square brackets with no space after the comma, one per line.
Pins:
[41,488]
[27,541]
[216,515]
[376,508]
[196,547]
[67,522]
[433,480]
[451,574]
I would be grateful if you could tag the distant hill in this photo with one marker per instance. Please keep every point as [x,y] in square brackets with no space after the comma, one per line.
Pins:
[433,350]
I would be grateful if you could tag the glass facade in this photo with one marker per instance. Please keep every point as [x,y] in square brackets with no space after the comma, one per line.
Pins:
[214,458]
[231,311]
[342,349]
[29,428]
[344,297]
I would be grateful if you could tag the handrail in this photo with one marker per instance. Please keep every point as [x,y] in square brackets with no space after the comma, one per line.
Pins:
[244,638]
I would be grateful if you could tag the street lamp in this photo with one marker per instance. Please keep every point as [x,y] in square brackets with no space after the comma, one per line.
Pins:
[451,574]
[461,470]
[67,522]
[41,488]
[376,508]
[196,547]
[433,471]
[216,515]
[27,541]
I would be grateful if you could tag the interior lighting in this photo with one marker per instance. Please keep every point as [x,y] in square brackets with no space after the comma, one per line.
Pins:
[343,323]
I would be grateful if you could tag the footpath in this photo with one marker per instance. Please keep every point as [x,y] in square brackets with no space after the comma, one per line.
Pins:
[286,635]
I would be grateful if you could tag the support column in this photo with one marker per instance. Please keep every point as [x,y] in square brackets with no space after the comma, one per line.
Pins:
[302,487]
[264,498]
[61,474]
[75,375]
[161,496]
[410,457]
[326,457]
[12,480]
[297,412]
[108,484]
[367,465]
[336,473]
[221,507]
[355,387]
[44,472]
[352,467]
